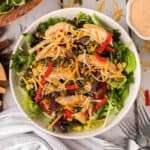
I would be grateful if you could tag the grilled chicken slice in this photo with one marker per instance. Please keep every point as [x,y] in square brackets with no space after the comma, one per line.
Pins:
[50,51]
[71,100]
[58,75]
[98,33]
[58,27]
[81,117]
[90,59]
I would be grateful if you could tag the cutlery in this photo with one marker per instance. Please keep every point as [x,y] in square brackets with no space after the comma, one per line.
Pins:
[129,129]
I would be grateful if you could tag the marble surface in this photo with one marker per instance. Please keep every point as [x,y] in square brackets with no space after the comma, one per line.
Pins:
[15,29]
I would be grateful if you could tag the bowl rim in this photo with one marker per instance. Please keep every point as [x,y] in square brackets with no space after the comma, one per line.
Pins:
[94,132]
[128,20]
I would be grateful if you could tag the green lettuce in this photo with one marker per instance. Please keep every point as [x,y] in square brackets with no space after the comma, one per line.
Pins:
[21,60]
[29,106]
[116,84]
[131,62]
[29,39]
[51,21]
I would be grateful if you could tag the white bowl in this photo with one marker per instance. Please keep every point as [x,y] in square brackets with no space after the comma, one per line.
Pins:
[70,13]
[130,23]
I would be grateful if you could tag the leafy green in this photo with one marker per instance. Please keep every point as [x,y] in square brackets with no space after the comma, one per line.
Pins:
[115,32]
[130,78]
[10,4]
[84,18]
[99,113]
[131,62]
[96,21]
[48,117]
[51,21]
[115,100]
[19,2]
[29,106]
[33,109]
[124,93]
[29,39]
[95,124]
[21,61]
[4,7]
[116,84]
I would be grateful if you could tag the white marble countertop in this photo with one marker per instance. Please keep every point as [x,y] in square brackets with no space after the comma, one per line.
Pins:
[15,29]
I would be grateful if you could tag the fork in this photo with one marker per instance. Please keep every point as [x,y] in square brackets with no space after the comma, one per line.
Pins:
[129,129]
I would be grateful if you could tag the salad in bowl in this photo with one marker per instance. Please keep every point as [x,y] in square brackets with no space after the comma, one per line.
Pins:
[75,73]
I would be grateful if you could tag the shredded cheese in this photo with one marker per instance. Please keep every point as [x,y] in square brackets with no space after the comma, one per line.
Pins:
[54,122]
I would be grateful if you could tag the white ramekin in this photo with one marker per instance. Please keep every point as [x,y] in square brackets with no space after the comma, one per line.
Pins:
[130,23]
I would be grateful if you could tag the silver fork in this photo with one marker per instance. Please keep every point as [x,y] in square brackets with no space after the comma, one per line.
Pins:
[129,129]
[144,120]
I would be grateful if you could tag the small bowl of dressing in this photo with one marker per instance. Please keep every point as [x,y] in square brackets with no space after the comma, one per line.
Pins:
[138,17]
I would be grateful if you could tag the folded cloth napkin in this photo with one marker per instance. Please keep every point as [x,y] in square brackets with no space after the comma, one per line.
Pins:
[18,133]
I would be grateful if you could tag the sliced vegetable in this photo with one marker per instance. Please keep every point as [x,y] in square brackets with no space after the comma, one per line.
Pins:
[100,90]
[43,80]
[147,97]
[110,49]
[45,104]
[100,104]
[101,59]
[105,43]
[72,87]
[38,94]
[67,114]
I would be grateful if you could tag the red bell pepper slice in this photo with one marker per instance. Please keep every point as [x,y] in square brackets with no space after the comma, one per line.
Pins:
[101,59]
[110,49]
[43,80]
[67,114]
[105,43]
[147,97]
[45,104]
[72,87]
[100,91]
[38,94]
[100,104]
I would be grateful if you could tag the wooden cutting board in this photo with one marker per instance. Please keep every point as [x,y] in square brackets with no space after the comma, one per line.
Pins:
[2,77]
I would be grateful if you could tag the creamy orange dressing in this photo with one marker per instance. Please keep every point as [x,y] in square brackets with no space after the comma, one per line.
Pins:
[140,16]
